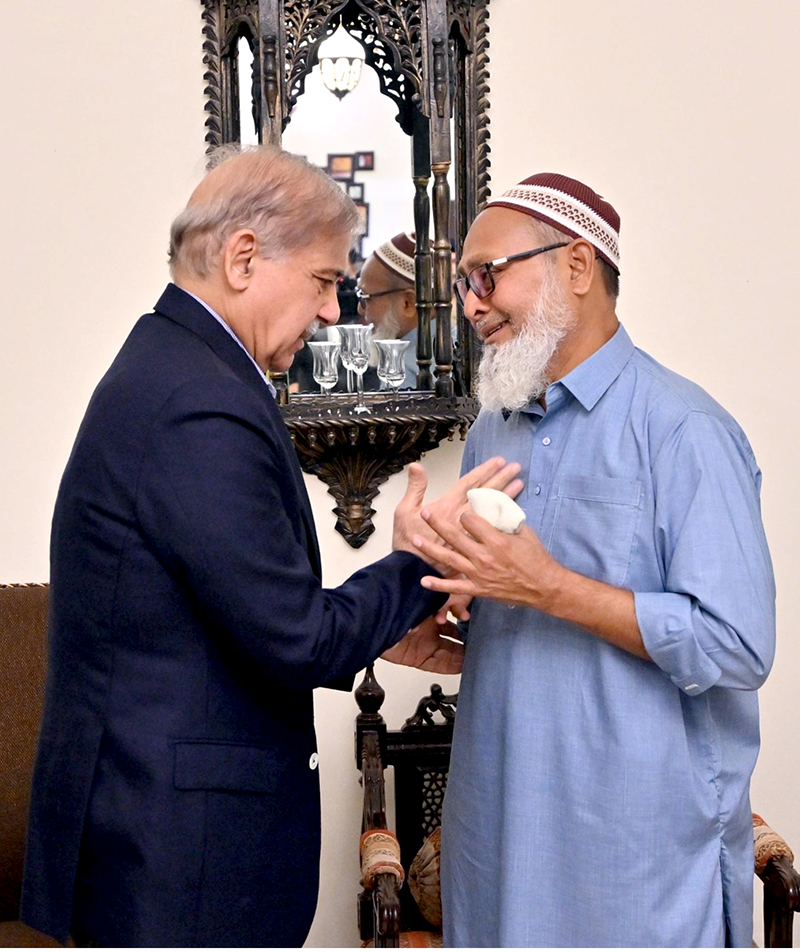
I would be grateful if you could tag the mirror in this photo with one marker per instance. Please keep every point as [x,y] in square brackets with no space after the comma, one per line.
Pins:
[409,142]
[356,138]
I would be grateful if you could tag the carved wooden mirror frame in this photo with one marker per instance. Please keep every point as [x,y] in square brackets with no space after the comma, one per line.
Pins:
[431,59]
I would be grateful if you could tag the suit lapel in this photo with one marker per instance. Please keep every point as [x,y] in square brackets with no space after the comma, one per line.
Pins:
[182,308]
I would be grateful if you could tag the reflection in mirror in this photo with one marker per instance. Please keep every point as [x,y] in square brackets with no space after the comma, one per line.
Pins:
[356,137]
[247,125]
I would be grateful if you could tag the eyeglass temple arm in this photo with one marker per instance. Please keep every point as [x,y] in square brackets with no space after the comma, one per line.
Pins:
[528,254]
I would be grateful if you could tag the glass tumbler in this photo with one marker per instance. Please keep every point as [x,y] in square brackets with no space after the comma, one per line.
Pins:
[325,354]
[355,340]
[391,362]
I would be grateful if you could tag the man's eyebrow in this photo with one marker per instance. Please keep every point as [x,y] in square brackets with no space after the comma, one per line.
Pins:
[465,265]
[334,273]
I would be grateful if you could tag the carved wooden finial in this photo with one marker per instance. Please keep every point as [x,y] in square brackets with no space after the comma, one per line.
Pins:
[369,694]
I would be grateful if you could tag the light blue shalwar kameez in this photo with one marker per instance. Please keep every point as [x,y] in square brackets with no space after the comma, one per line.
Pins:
[596,799]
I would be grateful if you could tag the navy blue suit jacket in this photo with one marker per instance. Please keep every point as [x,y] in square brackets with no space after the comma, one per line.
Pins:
[175,800]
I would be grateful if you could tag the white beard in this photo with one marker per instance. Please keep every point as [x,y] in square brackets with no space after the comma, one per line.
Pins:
[387,329]
[513,374]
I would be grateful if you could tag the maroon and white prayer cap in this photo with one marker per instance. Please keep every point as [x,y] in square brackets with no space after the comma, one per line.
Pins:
[398,255]
[571,207]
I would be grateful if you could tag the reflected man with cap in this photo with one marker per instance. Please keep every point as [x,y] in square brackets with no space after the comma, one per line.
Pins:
[607,723]
[387,300]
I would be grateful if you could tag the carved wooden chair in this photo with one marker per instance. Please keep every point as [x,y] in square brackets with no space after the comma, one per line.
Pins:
[419,753]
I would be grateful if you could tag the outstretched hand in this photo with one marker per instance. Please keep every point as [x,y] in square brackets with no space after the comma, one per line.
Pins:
[493,474]
[428,647]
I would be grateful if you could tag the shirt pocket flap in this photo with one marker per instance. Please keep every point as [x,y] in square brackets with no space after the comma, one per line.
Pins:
[609,489]
[204,765]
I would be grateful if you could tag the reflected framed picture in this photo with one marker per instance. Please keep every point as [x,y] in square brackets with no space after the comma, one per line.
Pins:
[341,167]
[365,161]
[363,214]
[356,191]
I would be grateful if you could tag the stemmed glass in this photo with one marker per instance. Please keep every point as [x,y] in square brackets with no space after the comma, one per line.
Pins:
[391,363]
[355,340]
[325,354]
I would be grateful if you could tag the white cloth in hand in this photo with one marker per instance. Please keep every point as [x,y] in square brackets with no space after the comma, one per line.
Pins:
[497,508]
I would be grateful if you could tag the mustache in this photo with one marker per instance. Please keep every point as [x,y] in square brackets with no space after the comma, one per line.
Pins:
[312,329]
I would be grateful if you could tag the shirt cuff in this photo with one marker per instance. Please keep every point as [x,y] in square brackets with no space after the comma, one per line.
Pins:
[666,626]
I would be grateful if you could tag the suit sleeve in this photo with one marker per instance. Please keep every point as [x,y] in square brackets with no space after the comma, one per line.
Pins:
[714,623]
[216,501]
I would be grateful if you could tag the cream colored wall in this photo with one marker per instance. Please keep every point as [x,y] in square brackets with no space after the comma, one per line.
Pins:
[683,114]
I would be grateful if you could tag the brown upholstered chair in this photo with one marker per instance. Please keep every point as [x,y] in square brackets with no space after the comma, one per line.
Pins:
[23,626]
[420,755]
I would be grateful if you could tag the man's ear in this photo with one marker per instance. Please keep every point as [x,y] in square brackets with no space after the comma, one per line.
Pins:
[582,266]
[237,259]
[410,303]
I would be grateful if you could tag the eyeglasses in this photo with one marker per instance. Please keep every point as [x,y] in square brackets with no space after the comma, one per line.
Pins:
[480,280]
[364,298]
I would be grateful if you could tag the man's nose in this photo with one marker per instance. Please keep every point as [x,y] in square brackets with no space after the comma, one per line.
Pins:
[474,307]
[329,310]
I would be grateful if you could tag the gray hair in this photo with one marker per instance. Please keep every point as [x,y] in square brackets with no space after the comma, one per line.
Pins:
[288,202]
[551,236]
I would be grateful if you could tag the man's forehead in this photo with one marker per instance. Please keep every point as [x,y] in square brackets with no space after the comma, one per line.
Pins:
[494,233]
[374,272]
[326,256]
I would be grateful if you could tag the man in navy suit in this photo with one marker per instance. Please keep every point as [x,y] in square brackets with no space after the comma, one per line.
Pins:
[176,798]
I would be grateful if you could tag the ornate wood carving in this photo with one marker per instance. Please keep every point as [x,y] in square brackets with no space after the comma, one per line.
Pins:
[212,60]
[271,83]
[223,24]
[307,25]
[240,13]
[354,455]
[434,784]
[435,702]
[480,84]
[391,33]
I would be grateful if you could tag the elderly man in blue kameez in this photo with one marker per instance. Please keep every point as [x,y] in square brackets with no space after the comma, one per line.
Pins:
[608,722]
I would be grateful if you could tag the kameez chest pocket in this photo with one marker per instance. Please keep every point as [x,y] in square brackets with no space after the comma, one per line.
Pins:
[594,525]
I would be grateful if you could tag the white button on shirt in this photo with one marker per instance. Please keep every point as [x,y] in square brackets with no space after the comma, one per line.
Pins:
[546,441]
[313,761]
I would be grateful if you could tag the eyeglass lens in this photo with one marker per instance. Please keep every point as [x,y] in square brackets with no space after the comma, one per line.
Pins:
[479,280]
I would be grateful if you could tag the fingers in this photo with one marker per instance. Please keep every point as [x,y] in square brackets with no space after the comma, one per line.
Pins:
[456,606]
[480,530]
[478,476]
[455,586]
[450,533]
[505,478]
[417,484]
[514,488]
[445,559]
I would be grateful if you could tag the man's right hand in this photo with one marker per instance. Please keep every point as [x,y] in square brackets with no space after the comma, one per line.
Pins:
[429,647]
[493,474]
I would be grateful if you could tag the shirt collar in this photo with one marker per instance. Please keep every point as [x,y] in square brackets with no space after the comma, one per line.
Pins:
[227,327]
[589,380]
